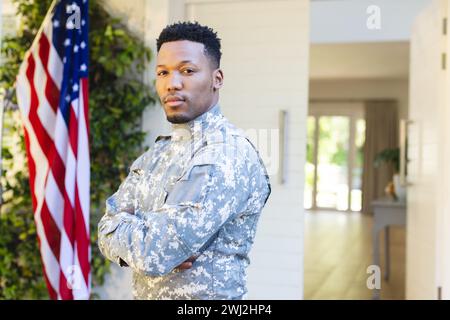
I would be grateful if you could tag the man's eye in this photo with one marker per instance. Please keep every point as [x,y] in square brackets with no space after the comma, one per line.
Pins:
[188,71]
[161,73]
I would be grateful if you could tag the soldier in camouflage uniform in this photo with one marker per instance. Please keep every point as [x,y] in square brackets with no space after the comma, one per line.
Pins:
[185,217]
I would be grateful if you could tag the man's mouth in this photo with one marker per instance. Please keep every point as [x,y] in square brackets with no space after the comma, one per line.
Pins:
[173,101]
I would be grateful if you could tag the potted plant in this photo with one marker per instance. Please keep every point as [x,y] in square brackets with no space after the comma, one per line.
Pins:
[391,156]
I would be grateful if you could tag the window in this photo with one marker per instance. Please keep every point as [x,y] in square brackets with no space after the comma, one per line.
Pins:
[334,156]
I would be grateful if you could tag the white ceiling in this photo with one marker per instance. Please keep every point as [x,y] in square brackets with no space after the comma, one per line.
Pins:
[375,60]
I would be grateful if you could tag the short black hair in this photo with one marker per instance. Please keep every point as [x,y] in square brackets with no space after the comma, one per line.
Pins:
[193,31]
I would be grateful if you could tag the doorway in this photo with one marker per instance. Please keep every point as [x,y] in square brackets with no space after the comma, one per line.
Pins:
[334,160]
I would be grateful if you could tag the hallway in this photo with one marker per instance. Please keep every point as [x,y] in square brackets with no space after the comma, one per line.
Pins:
[338,250]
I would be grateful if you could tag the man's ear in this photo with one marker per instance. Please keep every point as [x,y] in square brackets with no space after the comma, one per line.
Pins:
[217,79]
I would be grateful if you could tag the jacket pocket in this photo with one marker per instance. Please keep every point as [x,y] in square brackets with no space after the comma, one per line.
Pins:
[191,187]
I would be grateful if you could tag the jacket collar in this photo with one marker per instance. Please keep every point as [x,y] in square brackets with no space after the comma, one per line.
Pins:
[195,128]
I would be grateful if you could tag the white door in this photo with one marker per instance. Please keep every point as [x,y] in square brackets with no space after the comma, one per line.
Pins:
[426,138]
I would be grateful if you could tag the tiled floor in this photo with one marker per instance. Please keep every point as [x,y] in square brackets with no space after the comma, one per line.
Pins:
[338,250]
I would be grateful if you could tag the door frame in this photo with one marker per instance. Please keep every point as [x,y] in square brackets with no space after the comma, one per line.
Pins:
[354,110]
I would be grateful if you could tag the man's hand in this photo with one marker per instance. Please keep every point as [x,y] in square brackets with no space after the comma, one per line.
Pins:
[187,264]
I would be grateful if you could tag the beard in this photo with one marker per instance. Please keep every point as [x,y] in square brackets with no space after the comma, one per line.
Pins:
[178,118]
[178,115]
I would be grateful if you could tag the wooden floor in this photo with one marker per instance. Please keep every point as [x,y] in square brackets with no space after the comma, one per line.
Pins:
[338,250]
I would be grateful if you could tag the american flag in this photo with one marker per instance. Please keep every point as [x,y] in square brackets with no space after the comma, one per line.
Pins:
[52,94]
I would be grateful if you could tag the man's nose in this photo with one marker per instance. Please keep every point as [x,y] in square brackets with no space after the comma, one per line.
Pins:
[174,82]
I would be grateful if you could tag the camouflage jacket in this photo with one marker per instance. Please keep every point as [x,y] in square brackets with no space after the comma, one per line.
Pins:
[198,192]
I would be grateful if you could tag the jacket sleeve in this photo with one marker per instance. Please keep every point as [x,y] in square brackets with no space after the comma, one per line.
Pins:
[214,189]
[119,207]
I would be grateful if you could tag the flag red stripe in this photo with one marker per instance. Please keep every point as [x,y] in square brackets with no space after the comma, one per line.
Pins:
[31,169]
[45,143]
[32,172]
[51,90]
[82,239]
[73,132]
[85,90]
[53,294]
[64,290]
[52,232]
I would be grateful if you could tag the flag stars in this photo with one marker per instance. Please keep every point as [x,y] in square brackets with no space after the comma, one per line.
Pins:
[55,24]
[67,42]
[83,67]
[75,87]
[82,45]
[75,48]
[68,98]
[83,22]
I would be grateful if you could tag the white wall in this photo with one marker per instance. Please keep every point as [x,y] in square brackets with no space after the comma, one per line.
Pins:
[336,21]
[8,19]
[356,62]
[131,13]
[362,60]
[363,89]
